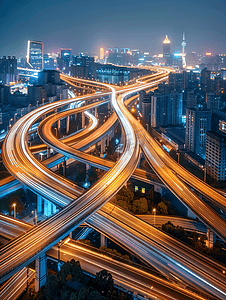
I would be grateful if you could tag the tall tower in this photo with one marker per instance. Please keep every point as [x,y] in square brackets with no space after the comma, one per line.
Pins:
[166,46]
[183,45]
[35,54]
[101,53]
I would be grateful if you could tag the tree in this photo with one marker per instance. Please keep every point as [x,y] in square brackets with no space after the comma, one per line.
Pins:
[162,208]
[104,282]
[70,271]
[52,288]
[140,206]
[125,195]
[123,204]
[95,295]
[73,296]
[65,293]
[83,293]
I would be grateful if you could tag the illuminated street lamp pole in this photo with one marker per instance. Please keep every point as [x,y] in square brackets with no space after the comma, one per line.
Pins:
[14,210]
[154,211]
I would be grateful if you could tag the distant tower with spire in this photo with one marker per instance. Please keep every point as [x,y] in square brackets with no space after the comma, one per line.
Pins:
[183,45]
[166,46]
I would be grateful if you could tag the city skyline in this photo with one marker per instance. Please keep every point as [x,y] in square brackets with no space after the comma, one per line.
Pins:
[85,27]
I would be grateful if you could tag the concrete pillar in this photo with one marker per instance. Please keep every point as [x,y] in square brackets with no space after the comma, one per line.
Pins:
[58,124]
[158,188]
[211,238]
[95,112]
[40,272]
[25,189]
[47,208]
[48,152]
[96,148]
[103,146]
[103,240]
[108,140]
[83,119]
[67,125]
[64,165]
[75,116]
[39,204]
[53,208]
[190,214]
[71,235]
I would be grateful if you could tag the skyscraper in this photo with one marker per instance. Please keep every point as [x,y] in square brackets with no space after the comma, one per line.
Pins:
[166,47]
[101,53]
[66,56]
[183,45]
[198,122]
[216,153]
[35,54]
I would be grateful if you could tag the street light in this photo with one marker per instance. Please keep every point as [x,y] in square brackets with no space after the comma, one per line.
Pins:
[14,210]
[154,211]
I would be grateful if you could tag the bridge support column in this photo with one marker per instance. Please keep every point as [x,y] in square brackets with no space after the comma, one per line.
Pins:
[211,238]
[103,146]
[158,188]
[108,140]
[103,240]
[83,119]
[64,165]
[40,272]
[95,114]
[48,152]
[58,124]
[39,204]
[47,208]
[75,116]
[96,149]
[67,124]
[53,208]
[190,214]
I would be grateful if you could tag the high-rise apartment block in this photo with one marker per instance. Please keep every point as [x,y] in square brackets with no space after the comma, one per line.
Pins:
[198,122]
[35,55]
[166,109]
[8,69]
[216,153]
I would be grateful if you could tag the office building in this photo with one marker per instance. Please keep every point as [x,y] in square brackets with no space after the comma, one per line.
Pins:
[212,101]
[83,67]
[166,47]
[49,76]
[166,108]
[35,55]
[198,122]
[146,108]
[8,70]
[66,55]
[216,153]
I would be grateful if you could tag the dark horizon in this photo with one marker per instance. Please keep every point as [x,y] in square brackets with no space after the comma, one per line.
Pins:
[86,26]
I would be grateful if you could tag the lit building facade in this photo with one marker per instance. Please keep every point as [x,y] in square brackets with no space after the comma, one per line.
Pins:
[166,47]
[35,55]
[198,122]
[216,153]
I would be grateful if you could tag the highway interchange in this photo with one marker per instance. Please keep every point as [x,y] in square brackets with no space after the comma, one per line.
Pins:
[20,162]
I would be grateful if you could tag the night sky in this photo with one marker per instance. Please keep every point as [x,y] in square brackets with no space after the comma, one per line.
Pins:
[86,25]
